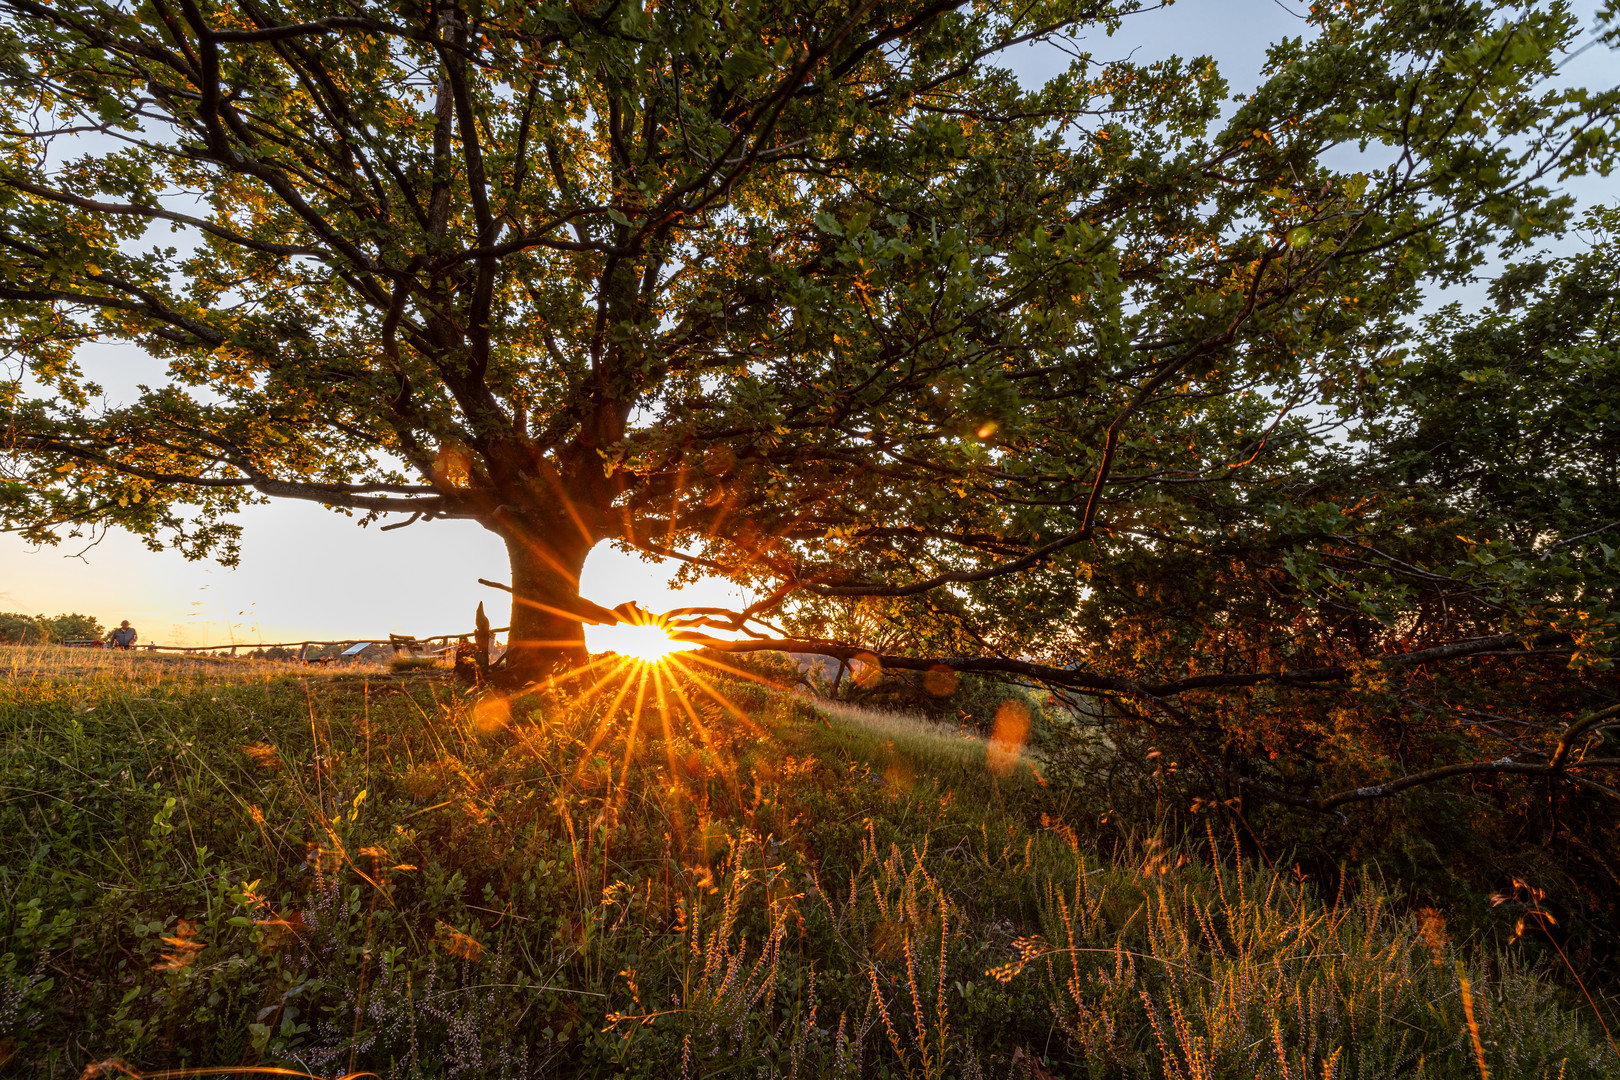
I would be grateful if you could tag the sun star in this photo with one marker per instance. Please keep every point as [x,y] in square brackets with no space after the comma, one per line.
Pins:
[647,643]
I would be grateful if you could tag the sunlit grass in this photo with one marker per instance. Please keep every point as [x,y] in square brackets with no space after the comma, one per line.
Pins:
[661,870]
[56,662]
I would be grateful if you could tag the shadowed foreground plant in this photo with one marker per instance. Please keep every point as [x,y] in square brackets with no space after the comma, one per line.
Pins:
[1237,971]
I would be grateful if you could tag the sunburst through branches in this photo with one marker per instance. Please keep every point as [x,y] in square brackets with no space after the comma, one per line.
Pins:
[644,643]
[650,687]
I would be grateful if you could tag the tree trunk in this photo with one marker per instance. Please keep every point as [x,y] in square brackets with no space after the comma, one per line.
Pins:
[547,635]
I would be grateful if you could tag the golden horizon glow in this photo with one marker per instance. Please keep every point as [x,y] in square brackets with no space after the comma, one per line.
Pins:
[646,643]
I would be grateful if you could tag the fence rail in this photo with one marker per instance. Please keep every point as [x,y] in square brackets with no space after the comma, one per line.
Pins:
[233,646]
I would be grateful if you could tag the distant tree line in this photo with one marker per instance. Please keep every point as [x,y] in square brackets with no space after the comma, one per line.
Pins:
[19,629]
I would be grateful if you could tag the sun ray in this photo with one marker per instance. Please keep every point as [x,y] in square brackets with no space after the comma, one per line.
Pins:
[728,769]
[675,502]
[635,726]
[606,660]
[626,669]
[549,610]
[719,698]
[614,799]
[554,681]
[677,821]
[606,724]
[697,721]
[552,477]
[597,687]
[663,717]
[774,684]
[551,560]
[727,504]
[625,513]
[677,776]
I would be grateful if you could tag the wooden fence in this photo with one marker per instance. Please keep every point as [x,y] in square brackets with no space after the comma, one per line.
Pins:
[396,641]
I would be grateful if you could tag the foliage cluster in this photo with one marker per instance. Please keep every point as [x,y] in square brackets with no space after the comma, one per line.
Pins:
[1483,495]
[1456,846]
[224,864]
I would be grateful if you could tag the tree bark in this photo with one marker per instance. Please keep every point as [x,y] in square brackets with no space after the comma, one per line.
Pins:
[548,631]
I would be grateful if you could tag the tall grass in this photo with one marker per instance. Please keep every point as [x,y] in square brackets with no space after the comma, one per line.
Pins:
[233,864]
[56,663]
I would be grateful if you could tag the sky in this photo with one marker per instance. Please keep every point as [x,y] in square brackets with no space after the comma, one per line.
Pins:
[309,573]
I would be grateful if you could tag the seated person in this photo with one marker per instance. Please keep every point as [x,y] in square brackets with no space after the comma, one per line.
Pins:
[123,637]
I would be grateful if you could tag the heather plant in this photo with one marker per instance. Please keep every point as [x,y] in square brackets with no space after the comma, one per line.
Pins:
[249,864]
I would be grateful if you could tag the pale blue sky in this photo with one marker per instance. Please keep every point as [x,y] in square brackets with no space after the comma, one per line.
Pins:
[307,572]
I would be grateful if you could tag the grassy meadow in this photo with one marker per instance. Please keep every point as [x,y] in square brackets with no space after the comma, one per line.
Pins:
[218,865]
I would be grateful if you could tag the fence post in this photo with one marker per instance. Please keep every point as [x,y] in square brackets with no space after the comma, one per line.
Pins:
[481,637]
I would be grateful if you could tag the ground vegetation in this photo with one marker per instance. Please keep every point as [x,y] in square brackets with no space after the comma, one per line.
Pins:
[217,863]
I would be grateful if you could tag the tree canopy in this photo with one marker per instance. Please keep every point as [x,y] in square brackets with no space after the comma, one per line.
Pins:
[1112,381]
[19,629]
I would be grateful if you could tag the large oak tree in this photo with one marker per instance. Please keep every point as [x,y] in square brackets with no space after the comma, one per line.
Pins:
[1058,381]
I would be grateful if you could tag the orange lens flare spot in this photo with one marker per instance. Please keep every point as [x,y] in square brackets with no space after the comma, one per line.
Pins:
[940,680]
[1007,737]
[491,714]
[647,643]
[867,668]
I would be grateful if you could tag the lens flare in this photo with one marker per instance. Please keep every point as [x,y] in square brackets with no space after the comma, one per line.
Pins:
[647,643]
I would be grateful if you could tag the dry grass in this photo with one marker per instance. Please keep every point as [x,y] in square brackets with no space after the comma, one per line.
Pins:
[28,663]
[887,724]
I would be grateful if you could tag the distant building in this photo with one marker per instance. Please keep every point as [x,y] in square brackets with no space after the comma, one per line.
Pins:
[368,652]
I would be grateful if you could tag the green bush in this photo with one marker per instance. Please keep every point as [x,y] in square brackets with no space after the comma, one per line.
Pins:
[19,629]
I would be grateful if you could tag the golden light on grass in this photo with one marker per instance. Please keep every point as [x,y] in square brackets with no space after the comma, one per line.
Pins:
[1473,1025]
[646,643]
